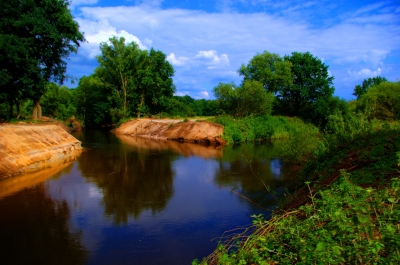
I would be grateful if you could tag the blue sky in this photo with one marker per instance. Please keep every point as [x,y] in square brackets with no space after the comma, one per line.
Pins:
[207,41]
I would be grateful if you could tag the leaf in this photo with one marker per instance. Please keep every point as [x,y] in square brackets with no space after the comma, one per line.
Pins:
[321,246]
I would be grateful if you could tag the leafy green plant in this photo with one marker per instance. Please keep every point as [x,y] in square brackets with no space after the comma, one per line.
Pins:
[346,224]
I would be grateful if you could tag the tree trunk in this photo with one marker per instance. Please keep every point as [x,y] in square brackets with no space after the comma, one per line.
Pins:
[37,110]
[34,113]
[124,102]
[18,110]
[140,106]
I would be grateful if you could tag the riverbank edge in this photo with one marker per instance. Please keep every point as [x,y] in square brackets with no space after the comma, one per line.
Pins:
[349,203]
[199,132]
[26,148]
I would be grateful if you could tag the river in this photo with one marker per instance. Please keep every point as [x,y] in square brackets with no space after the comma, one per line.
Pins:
[129,200]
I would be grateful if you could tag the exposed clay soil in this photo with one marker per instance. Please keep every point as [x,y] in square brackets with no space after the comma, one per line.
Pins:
[190,131]
[29,148]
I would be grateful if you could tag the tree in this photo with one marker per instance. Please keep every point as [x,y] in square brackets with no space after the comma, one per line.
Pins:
[117,68]
[94,100]
[270,70]
[311,91]
[58,102]
[35,39]
[381,101]
[360,90]
[247,99]
[141,79]
[153,83]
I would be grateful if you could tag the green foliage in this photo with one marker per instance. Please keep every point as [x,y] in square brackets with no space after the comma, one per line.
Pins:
[381,101]
[300,82]
[58,102]
[310,93]
[118,64]
[185,106]
[346,224]
[35,39]
[270,70]
[141,80]
[362,89]
[153,83]
[95,103]
[248,99]
[366,148]
[263,128]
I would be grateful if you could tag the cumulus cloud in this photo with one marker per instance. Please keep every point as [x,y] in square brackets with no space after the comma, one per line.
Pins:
[201,41]
[97,32]
[364,73]
[204,94]
[177,61]
[212,59]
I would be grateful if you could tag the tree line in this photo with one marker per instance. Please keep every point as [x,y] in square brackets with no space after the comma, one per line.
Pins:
[36,38]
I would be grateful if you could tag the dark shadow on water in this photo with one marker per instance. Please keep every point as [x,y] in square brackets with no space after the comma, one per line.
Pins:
[251,169]
[132,179]
[34,230]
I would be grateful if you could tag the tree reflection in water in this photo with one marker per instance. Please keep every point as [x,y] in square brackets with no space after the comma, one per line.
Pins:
[34,229]
[132,179]
[236,173]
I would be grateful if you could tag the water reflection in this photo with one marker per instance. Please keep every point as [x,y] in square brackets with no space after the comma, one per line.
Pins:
[252,169]
[34,230]
[14,184]
[131,180]
[186,149]
[137,201]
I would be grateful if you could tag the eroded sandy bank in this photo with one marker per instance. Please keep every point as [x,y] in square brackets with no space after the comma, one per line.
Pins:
[190,131]
[29,148]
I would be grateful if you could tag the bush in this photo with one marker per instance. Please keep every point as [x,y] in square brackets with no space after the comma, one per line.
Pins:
[262,128]
[346,224]
[381,102]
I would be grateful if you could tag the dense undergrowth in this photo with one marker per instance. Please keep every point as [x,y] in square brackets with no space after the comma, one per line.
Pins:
[259,128]
[346,209]
[345,224]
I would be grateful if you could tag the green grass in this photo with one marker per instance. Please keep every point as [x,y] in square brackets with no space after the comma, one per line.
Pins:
[262,128]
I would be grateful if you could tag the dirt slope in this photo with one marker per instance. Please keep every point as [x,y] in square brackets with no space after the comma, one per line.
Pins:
[190,131]
[28,148]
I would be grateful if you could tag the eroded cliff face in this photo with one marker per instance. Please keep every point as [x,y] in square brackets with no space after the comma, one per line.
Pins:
[29,148]
[190,131]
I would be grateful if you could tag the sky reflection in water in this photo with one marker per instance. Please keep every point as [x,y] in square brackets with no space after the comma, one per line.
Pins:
[137,201]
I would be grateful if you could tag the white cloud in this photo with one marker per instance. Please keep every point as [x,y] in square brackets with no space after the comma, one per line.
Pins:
[212,59]
[97,32]
[176,61]
[192,39]
[148,42]
[364,73]
[204,94]
[182,93]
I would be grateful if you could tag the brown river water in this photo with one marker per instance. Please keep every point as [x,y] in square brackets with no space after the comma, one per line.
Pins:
[129,200]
